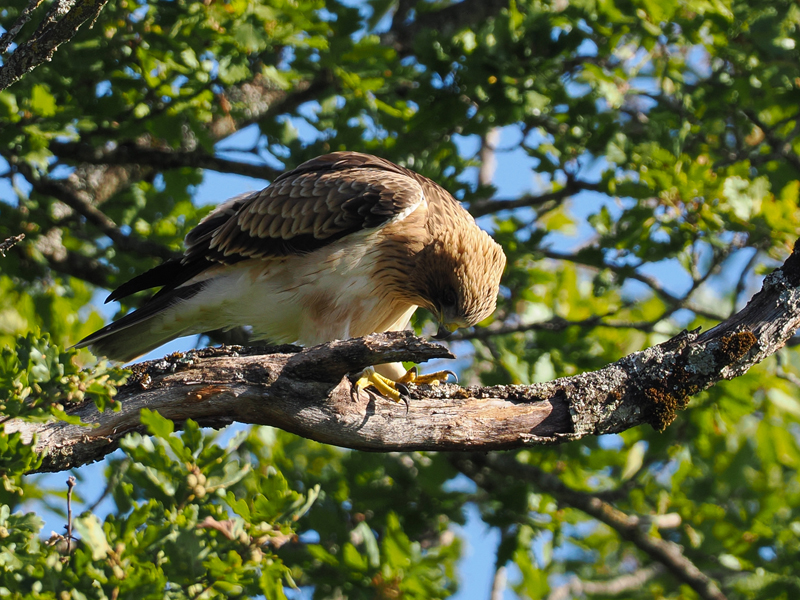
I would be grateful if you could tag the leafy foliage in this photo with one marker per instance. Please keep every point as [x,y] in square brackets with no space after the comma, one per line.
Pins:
[658,144]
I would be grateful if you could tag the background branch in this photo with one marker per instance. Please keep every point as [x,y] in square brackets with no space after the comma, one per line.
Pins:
[162,158]
[494,205]
[22,20]
[445,21]
[632,528]
[43,44]
[10,242]
[612,587]
[81,203]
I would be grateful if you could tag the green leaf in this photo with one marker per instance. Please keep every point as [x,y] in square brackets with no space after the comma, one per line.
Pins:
[634,460]
[156,424]
[42,101]
[363,531]
[91,531]
[352,559]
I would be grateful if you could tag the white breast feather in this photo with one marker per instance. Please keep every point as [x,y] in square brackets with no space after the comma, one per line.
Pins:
[324,295]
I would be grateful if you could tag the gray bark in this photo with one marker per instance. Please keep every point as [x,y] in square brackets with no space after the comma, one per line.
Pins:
[50,35]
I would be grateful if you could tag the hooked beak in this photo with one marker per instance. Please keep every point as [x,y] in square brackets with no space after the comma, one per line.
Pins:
[445,331]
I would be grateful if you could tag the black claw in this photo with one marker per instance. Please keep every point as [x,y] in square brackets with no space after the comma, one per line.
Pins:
[443,333]
[453,374]
[402,388]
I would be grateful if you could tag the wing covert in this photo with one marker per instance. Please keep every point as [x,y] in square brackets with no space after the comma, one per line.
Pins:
[321,201]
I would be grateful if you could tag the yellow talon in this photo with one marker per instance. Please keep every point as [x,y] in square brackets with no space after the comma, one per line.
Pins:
[389,388]
[412,376]
[385,386]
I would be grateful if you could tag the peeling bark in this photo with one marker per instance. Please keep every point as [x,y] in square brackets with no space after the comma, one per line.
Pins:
[309,392]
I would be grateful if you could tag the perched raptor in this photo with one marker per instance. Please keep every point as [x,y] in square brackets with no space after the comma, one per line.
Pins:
[344,245]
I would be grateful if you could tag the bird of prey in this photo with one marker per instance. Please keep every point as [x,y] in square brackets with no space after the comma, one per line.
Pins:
[344,245]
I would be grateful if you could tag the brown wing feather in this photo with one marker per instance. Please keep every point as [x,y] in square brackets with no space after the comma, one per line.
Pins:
[319,202]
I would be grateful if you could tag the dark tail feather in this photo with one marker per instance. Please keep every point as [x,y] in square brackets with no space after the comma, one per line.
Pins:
[124,340]
[169,274]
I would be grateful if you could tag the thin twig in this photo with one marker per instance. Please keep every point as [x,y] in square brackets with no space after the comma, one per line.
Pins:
[24,17]
[113,481]
[782,373]
[742,282]
[554,323]
[577,588]
[493,206]
[630,272]
[70,485]
[9,243]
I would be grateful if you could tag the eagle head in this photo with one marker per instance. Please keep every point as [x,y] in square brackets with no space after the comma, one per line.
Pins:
[458,279]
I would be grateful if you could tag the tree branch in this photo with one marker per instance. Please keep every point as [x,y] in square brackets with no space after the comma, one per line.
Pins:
[488,156]
[309,393]
[630,272]
[630,527]
[624,584]
[161,158]
[492,206]
[446,21]
[74,264]
[499,582]
[554,323]
[43,44]
[81,202]
[22,20]
[9,243]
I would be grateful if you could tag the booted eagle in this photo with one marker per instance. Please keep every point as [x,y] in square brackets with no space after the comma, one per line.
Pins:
[344,245]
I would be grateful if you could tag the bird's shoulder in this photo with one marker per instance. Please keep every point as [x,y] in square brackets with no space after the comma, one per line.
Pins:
[307,208]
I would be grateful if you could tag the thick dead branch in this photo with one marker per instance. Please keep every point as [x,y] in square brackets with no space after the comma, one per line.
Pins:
[309,393]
